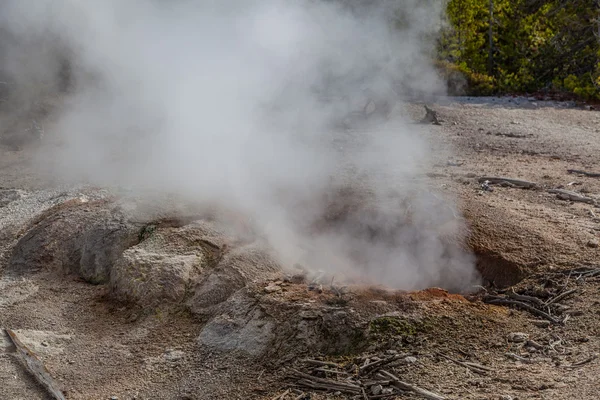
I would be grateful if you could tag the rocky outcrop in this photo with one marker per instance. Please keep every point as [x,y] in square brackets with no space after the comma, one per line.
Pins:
[79,237]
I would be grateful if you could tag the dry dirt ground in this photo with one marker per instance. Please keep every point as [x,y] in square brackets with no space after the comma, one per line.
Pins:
[127,306]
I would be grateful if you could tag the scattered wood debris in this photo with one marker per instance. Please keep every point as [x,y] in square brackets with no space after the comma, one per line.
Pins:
[571,196]
[36,367]
[478,368]
[365,378]
[495,180]
[583,362]
[430,117]
[585,173]
[511,135]
[500,300]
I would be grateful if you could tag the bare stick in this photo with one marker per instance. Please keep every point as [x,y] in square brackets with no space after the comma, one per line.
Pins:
[322,363]
[282,395]
[331,371]
[412,388]
[519,358]
[526,307]
[380,363]
[516,182]
[580,363]
[36,367]
[560,297]
[326,381]
[480,369]
[580,172]
[511,293]
[313,384]
[572,196]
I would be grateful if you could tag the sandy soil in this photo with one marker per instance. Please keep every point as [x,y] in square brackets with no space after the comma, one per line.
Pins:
[98,348]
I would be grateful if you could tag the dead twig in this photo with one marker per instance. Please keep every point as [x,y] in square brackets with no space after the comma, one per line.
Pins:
[430,117]
[282,395]
[524,306]
[516,182]
[581,363]
[313,384]
[328,382]
[322,363]
[36,367]
[560,297]
[580,172]
[380,363]
[519,358]
[480,369]
[571,196]
[412,388]
[511,293]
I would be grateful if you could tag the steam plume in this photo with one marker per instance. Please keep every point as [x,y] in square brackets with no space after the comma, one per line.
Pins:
[238,101]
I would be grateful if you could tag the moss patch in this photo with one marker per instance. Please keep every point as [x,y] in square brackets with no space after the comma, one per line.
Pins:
[389,326]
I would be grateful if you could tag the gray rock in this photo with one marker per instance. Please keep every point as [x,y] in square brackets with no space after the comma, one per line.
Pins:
[149,278]
[244,328]
[517,337]
[76,236]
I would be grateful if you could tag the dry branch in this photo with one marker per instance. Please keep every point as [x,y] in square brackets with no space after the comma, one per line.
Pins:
[511,293]
[519,358]
[524,306]
[412,388]
[515,182]
[315,379]
[380,363]
[583,362]
[281,396]
[560,297]
[322,363]
[480,369]
[580,172]
[572,196]
[36,367]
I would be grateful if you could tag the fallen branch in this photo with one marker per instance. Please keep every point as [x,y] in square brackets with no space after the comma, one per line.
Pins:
[313,384]
[480,369]
[571,196]
[331,371]
[581,363]
[516,182]
[36,367]
[412,388]
[281,396]
[322,363]
[511,293]
[560,297]
[524,306]
[430,117]
[580,172]
[329,382]
[380,363]
[519,358]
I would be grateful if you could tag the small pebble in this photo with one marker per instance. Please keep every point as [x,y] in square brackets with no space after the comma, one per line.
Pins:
[517,337]
[376,390]
[593,244]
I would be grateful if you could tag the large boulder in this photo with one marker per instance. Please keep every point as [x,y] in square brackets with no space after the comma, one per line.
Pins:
[79,237]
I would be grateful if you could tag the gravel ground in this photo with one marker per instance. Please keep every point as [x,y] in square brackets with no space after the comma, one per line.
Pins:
[97,348]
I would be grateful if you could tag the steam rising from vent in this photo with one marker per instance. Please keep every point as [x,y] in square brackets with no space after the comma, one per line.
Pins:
[252,104]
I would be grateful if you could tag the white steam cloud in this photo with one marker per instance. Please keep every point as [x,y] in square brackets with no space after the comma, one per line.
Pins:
[238,102]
